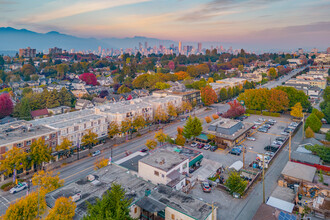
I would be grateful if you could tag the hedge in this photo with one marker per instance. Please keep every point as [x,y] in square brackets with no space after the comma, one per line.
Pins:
[256,112]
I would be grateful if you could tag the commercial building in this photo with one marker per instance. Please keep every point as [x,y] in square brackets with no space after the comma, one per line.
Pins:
[191,96]
[229,132]
[232,82]
[21,134]
[148,200]
[27,52]
[74,125]
[162,102]
[55,50]
[119,111]
[165,167]
[316,82]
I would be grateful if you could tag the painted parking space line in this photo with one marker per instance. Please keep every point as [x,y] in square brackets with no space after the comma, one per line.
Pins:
[287,122]
[275,134]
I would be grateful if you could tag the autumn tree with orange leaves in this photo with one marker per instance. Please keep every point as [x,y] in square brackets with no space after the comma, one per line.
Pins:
[208,95]
[181,75]
[277,101]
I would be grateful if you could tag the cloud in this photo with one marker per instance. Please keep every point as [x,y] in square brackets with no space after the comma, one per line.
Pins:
[76,9]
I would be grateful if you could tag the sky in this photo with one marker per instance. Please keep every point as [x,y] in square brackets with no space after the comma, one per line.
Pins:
[258,23]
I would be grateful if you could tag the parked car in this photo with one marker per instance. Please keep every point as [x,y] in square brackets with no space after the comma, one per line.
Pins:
[206,187]
[213,148]
[264,130]
[257,122]
[272,120]
[261,119]
[324,121]
[193,144]
[271,148]
[293,124]
[254,127]
[207,146]
[269,123]
[288,130]
[266,126]
[19,187]
[95,153]
[277,143]
[251,138]
[280,139]
[235,151]
[200,146]
[271,154]
[285,133]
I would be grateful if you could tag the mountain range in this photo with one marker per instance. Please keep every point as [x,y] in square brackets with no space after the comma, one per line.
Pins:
[12,39]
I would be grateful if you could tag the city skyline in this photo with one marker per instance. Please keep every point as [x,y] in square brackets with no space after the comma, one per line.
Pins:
[250,23]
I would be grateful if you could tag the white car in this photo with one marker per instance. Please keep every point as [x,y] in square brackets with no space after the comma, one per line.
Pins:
[251,138]
[257,123]
[284,133]
[194,144]
[207,146]
[95,153]
[19,187]
[272,120]
[262,119]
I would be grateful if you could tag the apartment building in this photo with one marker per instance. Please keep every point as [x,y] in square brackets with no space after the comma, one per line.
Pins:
[27,52]
[163,101]
[119,111]
[232,81]
[191,96]
[316,82]
[74,125]
[21,134]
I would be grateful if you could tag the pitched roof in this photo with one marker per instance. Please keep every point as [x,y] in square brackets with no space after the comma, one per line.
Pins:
[39,112]
[305,158]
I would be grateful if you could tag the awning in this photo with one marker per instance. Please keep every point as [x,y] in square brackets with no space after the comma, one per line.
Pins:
[202,137]
[150,205]
[195,160]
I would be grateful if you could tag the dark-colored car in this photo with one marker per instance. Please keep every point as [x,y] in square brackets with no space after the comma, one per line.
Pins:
[280,139]
[200,146]
[206,187]
[288,130]
[145,149]
[271,148]
[213,148]
[269,123]
[235,151]
[264,130]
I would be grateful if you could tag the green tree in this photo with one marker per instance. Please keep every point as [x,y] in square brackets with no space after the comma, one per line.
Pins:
[64,209]
[171,110]
[113,129]
[65,97]
[114,205]
[40,152]
[160,136]
[62,69]
[65,145]
[313,122]
[123,89]
[272,73]
[235,183]
[162,85]
[295,96]
[327,136]
[318,113]
[53,100]
[296,110]
[24,110]
[223,94]
[46,181]
[309,133]
[230,93]
[192,128]
[322,151]
[139,122]
[126,125]
[151,144]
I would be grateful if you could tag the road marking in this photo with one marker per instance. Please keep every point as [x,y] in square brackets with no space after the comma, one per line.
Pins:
[76,173]
[285,122]
[3,202]
[275,134]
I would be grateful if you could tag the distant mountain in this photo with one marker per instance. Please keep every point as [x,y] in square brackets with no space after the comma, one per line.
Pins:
[13,39]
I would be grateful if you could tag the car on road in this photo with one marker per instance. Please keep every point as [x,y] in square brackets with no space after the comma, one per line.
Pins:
[271,148]
[264,130]
[19,187]
[193,144]
[207,146]
[145,149]
[95,153]
[183,119]
[251,138]
[235,151]
[213,148]
[257,122]
[206,187]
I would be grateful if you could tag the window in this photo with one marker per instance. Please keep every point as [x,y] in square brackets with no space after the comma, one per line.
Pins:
[53,135]
[172,216]
[184,166]
[28,142]
[19,145]
[162,175]
[135,210]
[156,173]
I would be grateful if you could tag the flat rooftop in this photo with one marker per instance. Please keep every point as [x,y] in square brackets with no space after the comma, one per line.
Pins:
[124,106]
[163,159]
[225,123]
[21,130]
[299,171]
[187,152]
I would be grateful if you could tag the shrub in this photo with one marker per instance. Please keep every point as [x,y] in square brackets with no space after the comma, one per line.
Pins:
[266,113]
[327,136]
[100,163]
[208,119]
[215,116]
[258,112]
[309,133]
[275,114]
[7,186]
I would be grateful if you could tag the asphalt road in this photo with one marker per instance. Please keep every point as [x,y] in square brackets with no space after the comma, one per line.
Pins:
[244,208]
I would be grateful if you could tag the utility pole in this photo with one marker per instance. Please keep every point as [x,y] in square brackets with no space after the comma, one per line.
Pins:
[263,178]
[212,211]
[243,158]
[303,127]
[290,147]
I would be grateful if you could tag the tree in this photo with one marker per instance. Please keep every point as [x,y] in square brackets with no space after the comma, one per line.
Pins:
[215,116]
[327,136]
[318,113]
[256,99]
[114,205]
[277,101]
[272,74]
[65,145]
[123,89]
[160,114]
[99,163]
[322,151]
[89,139]
[65,97]
[295,96]
[46,181]
[223,94]
[211,137]
[151,144]
[180,140]
[28,70]
[162,85]
[62,69]
[296,110]
[179,130]
[230,93]
[192,128]
[6,105]
[26,207]
[160,136]
[309,133]
[126,125]
[208,95]
[40,152]
[88,78]
[64,209]
[53,100]
[14,159]
[210,80]
[113,129]
[139,122]
[171,110]
[208,119]
[186,106]
[236,109]
[182,75]
[235,183]
[24,110]
[313,122]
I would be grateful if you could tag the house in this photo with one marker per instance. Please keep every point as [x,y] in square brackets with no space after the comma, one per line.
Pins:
[228,132]
[39,113]
[233,81]
[267,212]
[59,110]
[99,101]
[105,81]
[83,104]
[296,172]
[164,167]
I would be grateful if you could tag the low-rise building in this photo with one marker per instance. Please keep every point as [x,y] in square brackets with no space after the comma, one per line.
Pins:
[74,125]
[83,104]
[59,110]
[297,172]
[163,102]
[39,113]
[228,132]
[164,167]
[316,82]
[191,96]
[233,81]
